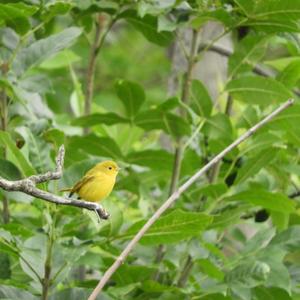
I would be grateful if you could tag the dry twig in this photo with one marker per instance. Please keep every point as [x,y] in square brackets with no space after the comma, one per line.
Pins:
[28,186]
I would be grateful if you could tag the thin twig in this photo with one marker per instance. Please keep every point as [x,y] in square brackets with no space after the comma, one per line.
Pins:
[120,260]
[95,49]
[28,186]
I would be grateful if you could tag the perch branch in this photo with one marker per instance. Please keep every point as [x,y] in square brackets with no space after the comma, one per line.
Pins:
[109,272]
[28,186]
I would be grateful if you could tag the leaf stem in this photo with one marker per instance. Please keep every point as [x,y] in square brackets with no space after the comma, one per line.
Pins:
[96,46]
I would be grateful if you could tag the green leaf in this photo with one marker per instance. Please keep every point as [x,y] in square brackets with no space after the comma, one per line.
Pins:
[258,90]
[16,15]
[9,171]
[211,190]
[249,274]
[259,197]
[271,293]
[148,26]
[290,75]
[17,156]
[218,126]
[154,159]
[280,220]
[288,239]
[43,49]
[158,119]
[255,164]
[207,267]
[247,53]
[201,102]
[94,145]
[8,292]
[54,136]
[61,60]
[128,274]
[132,95]
[279,275]
[98,119]
[174,227]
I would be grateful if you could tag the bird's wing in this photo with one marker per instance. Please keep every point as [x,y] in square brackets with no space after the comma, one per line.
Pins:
[81,182]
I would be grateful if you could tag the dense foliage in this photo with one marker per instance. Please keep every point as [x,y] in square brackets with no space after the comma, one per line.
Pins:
[236,233]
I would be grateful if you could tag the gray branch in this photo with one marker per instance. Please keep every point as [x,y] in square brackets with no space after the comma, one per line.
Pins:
[28,186]
[258,69]
[228,52]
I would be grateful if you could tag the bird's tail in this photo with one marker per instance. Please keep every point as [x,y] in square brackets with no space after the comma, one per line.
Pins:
[66,190]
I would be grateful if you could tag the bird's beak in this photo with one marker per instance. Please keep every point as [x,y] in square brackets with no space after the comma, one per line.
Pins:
[119,169]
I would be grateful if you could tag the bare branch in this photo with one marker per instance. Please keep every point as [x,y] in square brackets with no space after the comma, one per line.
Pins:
[176,195]
[28,186]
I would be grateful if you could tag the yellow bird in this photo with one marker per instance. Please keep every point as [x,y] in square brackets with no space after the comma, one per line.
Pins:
[97,183]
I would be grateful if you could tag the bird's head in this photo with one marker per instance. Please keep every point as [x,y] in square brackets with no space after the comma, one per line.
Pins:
[108,167]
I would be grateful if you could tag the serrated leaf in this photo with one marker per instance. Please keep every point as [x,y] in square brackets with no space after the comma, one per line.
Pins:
[44,48]
[258,90]
[258,197]
[176,226]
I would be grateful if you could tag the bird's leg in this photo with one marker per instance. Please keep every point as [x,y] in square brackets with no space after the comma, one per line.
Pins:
[97,214]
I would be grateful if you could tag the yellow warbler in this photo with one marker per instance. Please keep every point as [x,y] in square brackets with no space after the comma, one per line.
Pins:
[97,183]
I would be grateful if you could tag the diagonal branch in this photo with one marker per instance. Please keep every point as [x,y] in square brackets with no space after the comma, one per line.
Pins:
[120,260]
[28,186]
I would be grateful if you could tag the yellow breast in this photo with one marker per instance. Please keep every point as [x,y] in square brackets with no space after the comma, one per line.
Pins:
[97,189]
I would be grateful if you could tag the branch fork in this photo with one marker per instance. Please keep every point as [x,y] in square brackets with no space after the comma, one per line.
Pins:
[28,186]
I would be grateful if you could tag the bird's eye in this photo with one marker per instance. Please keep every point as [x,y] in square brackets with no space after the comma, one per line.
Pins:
[110,168]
